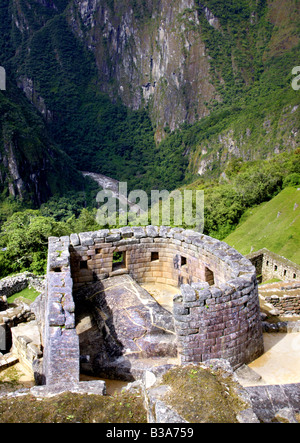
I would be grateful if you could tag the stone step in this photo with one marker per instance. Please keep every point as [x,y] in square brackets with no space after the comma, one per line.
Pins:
[268,400]
[8,360]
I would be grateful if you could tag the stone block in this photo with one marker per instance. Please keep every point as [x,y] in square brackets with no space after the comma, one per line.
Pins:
[86,239]
[189,294]
[139,232]
[100,235]
[74,239]
[126,232]
[152,231]
[163,231]
[113,238]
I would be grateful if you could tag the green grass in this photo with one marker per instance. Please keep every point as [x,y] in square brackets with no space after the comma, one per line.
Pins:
[274,225]
[28,293]
[272,280]
[124,407]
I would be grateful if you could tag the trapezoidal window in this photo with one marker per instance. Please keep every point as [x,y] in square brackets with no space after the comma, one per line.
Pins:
[119,261]
[183,261]
[83,264]
[154,256]
[209,276]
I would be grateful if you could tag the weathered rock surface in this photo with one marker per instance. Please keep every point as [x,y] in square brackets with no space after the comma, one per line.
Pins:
[219,379]
[95,387]
[150,64]
[118,322]
[268,400]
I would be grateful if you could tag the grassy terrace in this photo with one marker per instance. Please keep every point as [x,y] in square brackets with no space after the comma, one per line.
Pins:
[274,225]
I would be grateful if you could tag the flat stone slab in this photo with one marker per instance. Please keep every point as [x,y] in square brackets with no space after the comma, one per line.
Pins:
[96,387]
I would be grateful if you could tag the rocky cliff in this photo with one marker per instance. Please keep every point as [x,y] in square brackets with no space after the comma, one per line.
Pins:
[32,168]
[149,53]
[139,89]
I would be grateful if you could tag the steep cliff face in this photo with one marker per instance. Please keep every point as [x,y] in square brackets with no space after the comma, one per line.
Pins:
[149,53]
[31,166]
[207,80]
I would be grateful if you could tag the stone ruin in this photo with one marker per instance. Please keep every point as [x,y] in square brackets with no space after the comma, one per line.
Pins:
[95,316]
[273,266]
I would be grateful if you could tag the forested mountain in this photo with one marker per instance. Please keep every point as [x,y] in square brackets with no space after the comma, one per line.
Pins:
[161,94]
[152,92]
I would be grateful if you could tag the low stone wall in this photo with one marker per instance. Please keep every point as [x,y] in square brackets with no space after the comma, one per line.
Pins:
[13,316]
[12,285]
[19,313]
[285,327]
[286,305]
[26,345]
[60,341]
[270,265]
[217,315]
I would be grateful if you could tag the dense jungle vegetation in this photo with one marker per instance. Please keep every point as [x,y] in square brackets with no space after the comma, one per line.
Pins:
[24,235]
[251,63]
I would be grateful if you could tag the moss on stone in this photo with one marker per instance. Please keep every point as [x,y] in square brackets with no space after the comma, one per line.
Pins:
[123,407]
[202,396]
[10,379]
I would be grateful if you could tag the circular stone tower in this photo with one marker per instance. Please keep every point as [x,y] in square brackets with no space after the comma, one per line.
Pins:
[216,313]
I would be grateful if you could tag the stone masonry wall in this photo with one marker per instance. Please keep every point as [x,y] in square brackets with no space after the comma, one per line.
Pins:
[216,316]
[11,285]
[219,322]
[162,255]
[60,341]
[270,265]
[286,305]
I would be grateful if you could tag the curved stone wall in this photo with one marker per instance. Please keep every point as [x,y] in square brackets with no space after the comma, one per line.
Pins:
[217,313]
[155,254]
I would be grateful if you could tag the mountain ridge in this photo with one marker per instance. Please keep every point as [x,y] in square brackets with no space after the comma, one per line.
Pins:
[155,92]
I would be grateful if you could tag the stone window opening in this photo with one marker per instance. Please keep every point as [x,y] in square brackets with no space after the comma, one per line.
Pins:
[275,268]
[183,261]
[119,260]
[154,256]
[294,276]
[209,276]
[83,264]
[57,270]
[284,272]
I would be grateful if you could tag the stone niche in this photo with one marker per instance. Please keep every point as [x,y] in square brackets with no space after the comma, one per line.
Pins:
[93,285]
